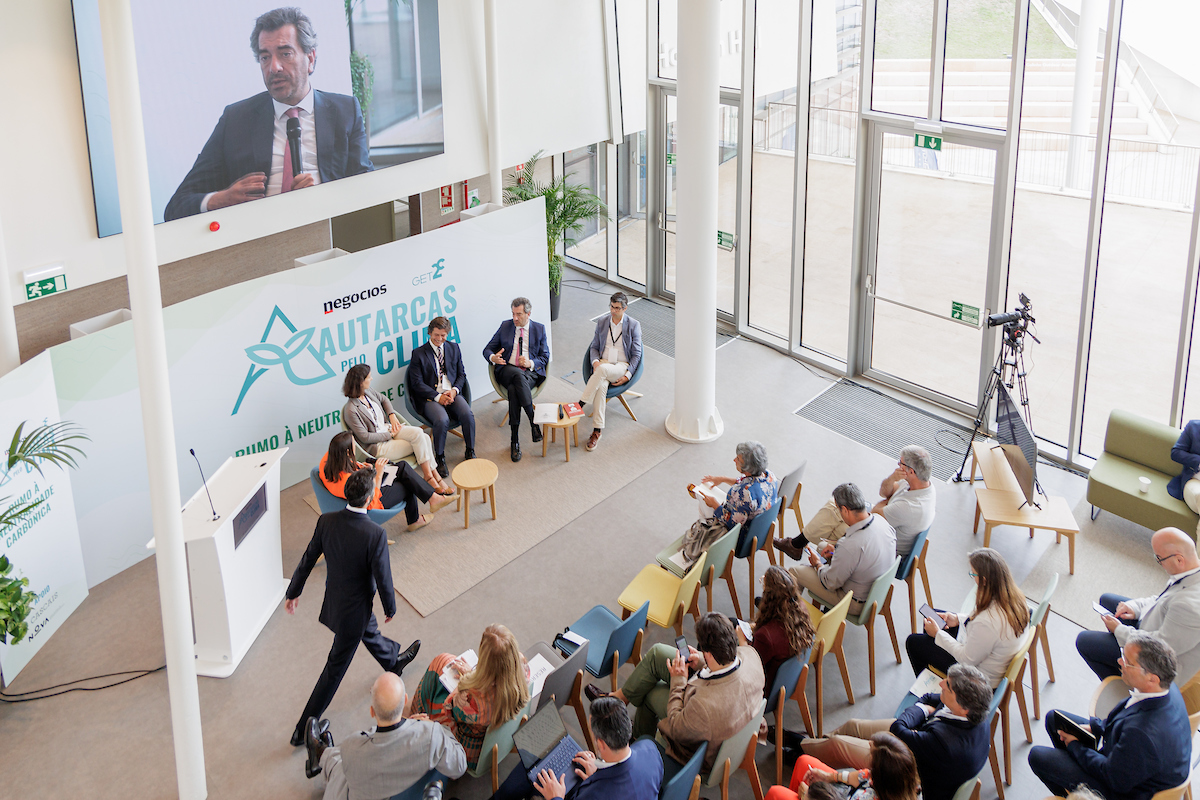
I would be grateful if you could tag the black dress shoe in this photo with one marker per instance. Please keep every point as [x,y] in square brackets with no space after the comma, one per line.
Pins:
[297,736]
[469,454]
[315,740]
[536,432]
[405,658]
[516,451]
[440,462]
[593,692]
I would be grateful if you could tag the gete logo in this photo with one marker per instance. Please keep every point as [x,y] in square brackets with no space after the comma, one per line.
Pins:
[351,299]
[297,347]
[433,275]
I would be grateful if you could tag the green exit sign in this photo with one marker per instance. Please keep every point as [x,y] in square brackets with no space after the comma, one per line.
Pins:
[725,240]
[44,287]
[964,313]
[670,159]
[928,142]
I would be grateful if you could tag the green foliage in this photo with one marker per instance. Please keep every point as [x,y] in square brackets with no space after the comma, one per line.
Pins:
[45,444]
[362,79]
[568,206]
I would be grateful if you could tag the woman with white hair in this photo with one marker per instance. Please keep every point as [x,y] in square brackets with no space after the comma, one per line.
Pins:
[748,496]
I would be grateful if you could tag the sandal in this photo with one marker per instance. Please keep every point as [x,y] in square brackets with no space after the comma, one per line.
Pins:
[421,522]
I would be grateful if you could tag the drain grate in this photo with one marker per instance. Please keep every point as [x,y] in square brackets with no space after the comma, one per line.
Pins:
[871,418]
[658,325]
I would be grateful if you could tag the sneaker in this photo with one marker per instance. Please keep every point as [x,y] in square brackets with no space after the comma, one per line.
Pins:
[593,440]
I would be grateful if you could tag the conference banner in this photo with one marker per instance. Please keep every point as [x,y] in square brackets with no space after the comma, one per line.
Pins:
[259,365]
[44,545]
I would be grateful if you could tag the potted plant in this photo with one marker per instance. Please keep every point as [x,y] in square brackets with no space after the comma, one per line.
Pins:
[44,444]
[568,206]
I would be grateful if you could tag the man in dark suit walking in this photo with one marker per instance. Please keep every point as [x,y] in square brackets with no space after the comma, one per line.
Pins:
[357,564]
[519,355]
[436,377]
[247,156]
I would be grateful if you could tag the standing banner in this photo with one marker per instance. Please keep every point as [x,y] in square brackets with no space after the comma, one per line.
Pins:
[44,545]
[259,365]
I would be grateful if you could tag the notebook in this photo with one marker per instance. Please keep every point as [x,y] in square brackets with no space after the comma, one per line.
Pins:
[543,743]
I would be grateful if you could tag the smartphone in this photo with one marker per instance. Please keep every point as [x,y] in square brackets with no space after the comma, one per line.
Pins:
[812,548]
[931,615]
[682,646]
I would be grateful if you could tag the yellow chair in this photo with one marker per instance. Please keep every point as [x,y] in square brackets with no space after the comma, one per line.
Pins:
[1191,694]
[830,629]
[669,597]
[1015,674]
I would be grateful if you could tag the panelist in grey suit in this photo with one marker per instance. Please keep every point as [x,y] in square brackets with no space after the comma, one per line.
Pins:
[615,353]
[1174,614]
[392,759]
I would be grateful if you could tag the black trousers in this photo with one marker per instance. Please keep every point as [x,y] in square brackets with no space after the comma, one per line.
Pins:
[924,652]
[1099,648]
[519,384]
[408,487]
[381,648]
[439,417]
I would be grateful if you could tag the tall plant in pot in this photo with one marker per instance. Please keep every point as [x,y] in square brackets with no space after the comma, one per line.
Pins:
[568,207]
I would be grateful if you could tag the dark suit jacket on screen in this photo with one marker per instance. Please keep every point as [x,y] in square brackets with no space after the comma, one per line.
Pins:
[357,564]
[948,751]
[1186,452]
[423,371]
[242,141]
[539,353]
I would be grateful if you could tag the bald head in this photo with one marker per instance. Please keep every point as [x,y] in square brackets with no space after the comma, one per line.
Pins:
[1175,550]
[387,699]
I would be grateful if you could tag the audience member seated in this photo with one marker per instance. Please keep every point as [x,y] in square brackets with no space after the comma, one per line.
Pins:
[856,560]
[616,352]
[437,377]
[519,355]
[408,487]
[746,498]
[388,761]
[710,707]
[945,732]
[782,627]
[994,634]
[892,775]
[378,429]
[1174,614]
[1186,486]
[907,505]
[1145,743]
[618,769]
[494,692]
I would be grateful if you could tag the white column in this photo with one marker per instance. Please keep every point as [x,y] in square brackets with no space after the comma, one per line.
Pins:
[1087,35]
[10,354]
[492,57]
[695,417]
[149,337]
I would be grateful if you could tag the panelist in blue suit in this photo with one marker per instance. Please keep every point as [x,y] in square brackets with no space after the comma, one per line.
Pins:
[247,156]
[437,376]
[1187,452]
[519,356]
[1145,743]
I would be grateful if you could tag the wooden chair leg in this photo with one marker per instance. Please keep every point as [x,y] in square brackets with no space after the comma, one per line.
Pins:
[1033,680]
[840,654]
[636,656]
[679,612]
[818,664]
[910,581]
[695,607]
[752,769]
[1006,741]
[750,561]
[779,704]
[871,647]
[1045,637]
[632,416]
[615,665]
[925,580]
[1020,690]
[733,592]
[802,699]
[576,702]
[625,612]
[496,768]
[712,573]
[995,762]
[891,623]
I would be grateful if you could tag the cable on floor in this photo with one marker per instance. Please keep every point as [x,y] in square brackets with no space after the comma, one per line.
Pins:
[24,697]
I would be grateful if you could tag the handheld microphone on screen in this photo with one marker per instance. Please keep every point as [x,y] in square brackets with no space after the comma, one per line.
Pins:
[433,790]
[293,137]
[205,482]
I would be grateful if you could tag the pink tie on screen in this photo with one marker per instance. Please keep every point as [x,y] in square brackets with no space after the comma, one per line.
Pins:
[294,113]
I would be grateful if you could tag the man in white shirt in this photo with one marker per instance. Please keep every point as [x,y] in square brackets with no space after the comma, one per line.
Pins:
[1174,613]
[615,353]
[907,505]
[248,156]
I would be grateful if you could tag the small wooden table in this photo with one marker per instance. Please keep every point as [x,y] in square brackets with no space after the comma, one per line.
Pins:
[570,428]
[478,474]
[1001,507]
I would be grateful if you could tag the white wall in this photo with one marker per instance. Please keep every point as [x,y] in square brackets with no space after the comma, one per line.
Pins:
[553,88]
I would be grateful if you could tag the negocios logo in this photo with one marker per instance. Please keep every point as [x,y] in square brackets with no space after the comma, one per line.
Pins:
[351,299]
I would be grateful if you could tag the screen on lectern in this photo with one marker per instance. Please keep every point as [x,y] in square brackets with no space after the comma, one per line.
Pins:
[249,516]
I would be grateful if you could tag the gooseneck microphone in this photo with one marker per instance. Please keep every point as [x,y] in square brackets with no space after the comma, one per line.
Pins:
[205,482]
[293,137]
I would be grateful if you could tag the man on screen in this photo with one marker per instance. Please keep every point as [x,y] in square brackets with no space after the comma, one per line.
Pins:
[248,156]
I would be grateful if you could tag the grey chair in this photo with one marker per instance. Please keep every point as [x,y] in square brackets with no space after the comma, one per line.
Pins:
[789,497]
[564,686]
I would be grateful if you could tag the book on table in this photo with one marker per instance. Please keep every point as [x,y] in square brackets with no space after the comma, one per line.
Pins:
[572,410]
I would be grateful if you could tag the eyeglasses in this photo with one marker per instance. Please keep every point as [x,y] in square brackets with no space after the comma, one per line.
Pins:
[973,574]
[1161,559]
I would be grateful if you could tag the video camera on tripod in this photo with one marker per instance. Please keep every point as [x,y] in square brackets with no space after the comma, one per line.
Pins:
[1015,322]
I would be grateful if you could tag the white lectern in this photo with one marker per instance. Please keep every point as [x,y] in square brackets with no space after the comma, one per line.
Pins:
[235,562]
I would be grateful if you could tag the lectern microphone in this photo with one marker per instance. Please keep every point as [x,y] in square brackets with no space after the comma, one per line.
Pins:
[203,480]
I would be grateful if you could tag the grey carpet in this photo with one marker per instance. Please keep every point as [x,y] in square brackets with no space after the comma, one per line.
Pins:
[871,418]
[658,325]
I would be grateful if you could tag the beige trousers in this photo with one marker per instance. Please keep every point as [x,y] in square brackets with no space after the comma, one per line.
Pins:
[806,578]
[826,525]
[596,392]
[848,747]
[410,441]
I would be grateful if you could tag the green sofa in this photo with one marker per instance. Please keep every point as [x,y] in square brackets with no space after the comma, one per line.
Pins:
[1136,447]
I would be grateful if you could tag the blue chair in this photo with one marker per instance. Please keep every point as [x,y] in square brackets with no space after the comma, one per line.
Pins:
[420,418]
[417,790]
[686,782]
[792,674]
[611,641]
[329,503]
[616,391]
[757,536]
[909,565]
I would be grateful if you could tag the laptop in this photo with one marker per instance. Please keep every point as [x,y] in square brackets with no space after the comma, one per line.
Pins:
[543,743]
